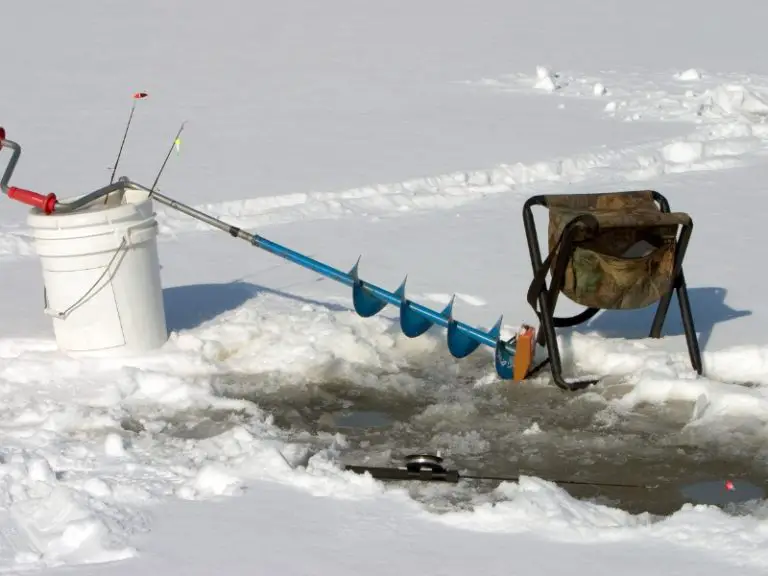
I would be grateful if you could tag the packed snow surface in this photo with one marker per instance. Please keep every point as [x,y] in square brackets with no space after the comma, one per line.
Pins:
[411,134]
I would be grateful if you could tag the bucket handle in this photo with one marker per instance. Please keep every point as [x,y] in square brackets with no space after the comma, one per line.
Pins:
[125,242]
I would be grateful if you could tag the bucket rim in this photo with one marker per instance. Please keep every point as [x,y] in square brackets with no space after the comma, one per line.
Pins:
[109,216]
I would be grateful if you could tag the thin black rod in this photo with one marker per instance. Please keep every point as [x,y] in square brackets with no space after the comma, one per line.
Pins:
[565,482]
[167,156]
[122,144]
[453,476]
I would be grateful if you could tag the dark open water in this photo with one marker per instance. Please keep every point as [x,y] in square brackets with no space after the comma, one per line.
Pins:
[505,429]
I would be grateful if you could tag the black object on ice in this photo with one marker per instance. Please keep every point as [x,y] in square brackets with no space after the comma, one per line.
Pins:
[429,468]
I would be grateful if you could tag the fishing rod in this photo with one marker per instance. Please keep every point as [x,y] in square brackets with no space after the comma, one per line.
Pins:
[429,468]
[174,144]
[136,97]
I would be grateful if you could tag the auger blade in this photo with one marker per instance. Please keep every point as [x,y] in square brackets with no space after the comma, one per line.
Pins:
[365,302]
[495,331]
[503,361]
[412,323]
[447,312]
[503,358]
[366,305]
[459,343]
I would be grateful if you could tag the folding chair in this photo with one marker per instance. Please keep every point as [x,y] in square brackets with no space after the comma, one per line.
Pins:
[608,251]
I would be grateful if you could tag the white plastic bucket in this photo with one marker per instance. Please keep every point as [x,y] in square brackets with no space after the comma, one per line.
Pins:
[101,274]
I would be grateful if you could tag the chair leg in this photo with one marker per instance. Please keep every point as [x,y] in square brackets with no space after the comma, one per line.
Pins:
[679,287]
[547,333]
[677,272]
[553,351]
[661,314]
[547,298]
[690,330]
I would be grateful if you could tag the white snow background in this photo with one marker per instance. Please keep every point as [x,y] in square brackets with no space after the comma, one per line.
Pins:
[410,132]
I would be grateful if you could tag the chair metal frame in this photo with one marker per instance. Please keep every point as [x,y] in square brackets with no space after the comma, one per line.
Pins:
[546,297]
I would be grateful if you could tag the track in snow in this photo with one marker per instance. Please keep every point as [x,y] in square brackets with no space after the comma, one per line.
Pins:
[724,116]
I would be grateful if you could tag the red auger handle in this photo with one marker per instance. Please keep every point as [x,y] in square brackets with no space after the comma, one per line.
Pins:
[45,203]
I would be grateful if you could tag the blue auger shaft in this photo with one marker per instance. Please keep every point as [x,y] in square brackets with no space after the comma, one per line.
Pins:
[369,299]
[380,293]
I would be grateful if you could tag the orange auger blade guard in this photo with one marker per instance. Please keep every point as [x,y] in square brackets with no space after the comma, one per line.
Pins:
[524,351]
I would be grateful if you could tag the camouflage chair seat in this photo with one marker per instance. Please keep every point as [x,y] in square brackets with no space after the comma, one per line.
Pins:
[624,248]
[609,251]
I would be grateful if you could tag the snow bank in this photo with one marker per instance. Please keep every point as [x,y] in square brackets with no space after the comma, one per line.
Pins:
[60,530]
[545,79]
[690,75]
[734,100]
[537,506]
[683,152]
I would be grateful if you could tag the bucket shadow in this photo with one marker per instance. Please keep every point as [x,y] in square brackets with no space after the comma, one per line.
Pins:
[708,307]
[188,306]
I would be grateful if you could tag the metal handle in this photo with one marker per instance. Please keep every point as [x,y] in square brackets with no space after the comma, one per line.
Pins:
[11,163]
[45,203]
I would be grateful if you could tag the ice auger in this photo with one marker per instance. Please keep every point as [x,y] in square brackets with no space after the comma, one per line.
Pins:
[606,251]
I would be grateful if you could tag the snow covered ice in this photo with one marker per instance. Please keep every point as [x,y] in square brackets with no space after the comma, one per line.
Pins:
[410,133]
